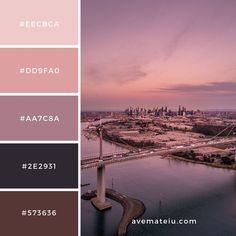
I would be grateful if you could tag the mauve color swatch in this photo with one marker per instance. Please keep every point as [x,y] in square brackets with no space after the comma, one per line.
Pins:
[29,118]
[38,165]
[41,70]
[45,22]
[13,223]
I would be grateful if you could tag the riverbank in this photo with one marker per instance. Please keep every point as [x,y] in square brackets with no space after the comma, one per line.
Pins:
[216,165]
[126,146]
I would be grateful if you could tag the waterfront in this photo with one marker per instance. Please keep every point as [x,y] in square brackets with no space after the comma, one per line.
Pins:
[91,146]
[169,189]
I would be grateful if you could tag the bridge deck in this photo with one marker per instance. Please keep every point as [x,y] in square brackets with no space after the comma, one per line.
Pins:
[144,154]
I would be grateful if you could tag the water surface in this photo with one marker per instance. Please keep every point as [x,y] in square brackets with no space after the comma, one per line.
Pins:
[169,189]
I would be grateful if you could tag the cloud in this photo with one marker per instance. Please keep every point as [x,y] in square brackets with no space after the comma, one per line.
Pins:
[93,73]
[178,38]
[119,74]
[226,88]
[129,74]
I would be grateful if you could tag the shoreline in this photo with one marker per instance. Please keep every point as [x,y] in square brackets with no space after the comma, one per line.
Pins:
[128,147]
[221,166]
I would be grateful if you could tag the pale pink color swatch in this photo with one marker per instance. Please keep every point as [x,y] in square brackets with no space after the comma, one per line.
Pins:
[13,12]
[12,60]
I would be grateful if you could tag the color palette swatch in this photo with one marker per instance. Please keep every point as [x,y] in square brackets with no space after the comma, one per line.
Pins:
[39,213]
[39,70]
[38,165]
[39,118]
[39,22]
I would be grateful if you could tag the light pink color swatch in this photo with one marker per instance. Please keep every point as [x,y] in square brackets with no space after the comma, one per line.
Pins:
[60,17]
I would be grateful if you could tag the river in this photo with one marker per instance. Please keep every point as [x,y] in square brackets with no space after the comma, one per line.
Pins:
[90,147]
[169,189]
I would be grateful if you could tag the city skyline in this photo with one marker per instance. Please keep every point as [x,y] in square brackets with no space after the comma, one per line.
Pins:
[158,52]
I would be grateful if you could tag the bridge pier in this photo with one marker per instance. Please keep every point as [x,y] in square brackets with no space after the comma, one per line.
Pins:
[101,184]
[100,202]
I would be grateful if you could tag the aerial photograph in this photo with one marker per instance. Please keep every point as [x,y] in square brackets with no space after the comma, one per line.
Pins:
[158,117]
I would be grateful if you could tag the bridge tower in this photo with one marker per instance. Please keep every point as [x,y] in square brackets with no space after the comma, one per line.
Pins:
[100,201]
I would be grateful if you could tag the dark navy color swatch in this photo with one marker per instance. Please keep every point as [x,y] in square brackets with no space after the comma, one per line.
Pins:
[38,165]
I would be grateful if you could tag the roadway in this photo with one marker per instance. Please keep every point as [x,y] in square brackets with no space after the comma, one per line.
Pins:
[111,159]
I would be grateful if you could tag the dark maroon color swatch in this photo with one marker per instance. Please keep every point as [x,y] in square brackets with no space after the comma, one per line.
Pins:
[13,205]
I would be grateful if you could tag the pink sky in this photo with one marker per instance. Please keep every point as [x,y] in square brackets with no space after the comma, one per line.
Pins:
[158,52]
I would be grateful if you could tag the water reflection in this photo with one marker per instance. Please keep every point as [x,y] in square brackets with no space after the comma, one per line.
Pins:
[100,223]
